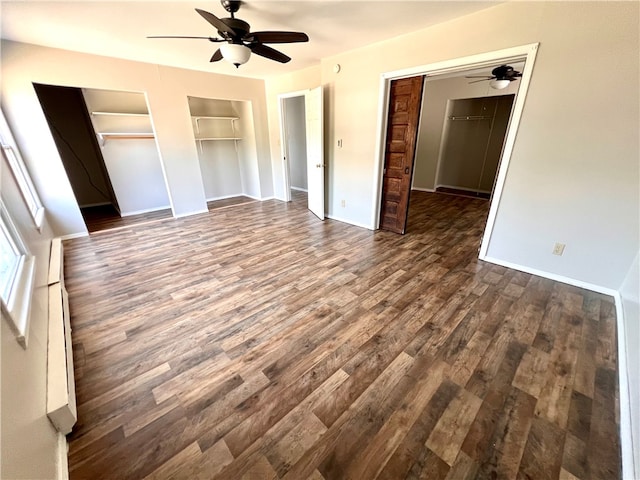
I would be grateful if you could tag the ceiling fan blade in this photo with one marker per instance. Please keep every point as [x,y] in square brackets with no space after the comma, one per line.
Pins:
[478,76]
[216,56]
[277,37]
[216,22]
[268,52]
[211,39]
[483,80]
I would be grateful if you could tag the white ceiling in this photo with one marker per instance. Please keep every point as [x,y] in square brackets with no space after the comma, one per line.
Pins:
[119,29]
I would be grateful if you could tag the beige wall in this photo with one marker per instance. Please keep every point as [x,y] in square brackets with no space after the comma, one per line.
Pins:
[167,90]
[28,440]
[573,176]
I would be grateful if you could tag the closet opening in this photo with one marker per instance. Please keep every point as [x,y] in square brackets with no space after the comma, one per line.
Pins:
[107,146]
[225,140]
[472,139]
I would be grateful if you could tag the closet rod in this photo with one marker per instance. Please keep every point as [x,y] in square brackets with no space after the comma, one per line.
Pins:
[472,117]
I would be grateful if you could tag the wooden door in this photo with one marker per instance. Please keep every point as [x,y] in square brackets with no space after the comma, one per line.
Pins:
[402,130]
[315,151]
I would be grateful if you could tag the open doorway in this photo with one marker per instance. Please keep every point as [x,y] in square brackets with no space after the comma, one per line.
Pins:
[463,124]
[302,140]
[295,146]
[524,55]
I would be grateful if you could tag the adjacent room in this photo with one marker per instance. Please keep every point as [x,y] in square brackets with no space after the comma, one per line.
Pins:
[319,239]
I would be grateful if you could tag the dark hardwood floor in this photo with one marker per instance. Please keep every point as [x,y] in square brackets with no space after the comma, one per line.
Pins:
[258,342]
[106,217]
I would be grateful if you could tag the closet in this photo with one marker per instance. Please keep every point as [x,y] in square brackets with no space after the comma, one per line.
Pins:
[472,140]
[72,130]
[225,139]
[124,130]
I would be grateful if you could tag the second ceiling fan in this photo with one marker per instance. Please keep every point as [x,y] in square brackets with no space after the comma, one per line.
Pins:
[500,76]
[237,39]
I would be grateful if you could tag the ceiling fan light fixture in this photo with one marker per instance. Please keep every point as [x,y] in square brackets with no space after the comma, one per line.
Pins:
[235,53]
[499,84]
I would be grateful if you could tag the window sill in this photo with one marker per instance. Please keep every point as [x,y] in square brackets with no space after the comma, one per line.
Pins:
[38,219]
[18,310]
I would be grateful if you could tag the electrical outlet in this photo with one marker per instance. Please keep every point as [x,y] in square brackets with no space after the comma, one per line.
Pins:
[558,249]
[343,203]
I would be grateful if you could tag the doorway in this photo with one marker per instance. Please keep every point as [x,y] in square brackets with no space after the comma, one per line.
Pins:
[302,146]
[295,146]
[457,67]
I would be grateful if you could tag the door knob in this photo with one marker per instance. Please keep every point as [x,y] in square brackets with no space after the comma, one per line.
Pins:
[406,170]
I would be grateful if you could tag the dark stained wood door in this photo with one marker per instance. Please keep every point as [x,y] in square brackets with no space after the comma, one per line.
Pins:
[402,129]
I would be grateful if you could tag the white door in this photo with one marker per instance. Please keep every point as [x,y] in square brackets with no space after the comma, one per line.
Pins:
[315,151]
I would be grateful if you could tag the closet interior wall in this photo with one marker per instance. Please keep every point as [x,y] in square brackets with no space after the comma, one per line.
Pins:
[124,128]
[472,143]
[225,139]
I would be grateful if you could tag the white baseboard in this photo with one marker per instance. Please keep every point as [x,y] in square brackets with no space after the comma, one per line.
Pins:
[74,235]
[626,443]
[252,197]
[474,190]
[187,214]
[62,462]
[146,210]
[552,276]
[224,197]
[300,189]
[355,224]
[420,189]
[260,199]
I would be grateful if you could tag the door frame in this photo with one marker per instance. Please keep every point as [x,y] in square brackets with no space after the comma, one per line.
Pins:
[526,53]
[284,151]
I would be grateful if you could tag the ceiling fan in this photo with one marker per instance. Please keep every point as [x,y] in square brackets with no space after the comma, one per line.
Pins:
[238,42]
[500,76]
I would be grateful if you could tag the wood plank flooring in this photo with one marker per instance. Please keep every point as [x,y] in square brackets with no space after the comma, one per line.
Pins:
[105,217]
[258,342]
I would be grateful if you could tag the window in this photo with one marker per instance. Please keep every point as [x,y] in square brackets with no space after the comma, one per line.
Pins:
[10,260]
[17,270]
[20,173]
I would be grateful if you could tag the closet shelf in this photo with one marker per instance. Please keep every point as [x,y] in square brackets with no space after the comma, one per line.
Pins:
[212,117]
[206,139]
[197,118]
[121,114]
[104,136]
